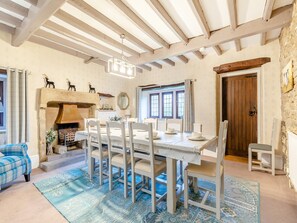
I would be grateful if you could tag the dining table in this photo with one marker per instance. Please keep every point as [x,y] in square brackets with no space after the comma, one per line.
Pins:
[174,147]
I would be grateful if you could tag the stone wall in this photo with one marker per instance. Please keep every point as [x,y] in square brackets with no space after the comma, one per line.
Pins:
[288,46]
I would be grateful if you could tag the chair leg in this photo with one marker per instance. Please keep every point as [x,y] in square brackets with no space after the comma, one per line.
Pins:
[133,187]
[100,169]
[110,176]
[195,184]
[250,159]
[27,177]
[186,189]
[273,163]
[119,172]
[222,186]
[125,182]
[218,200]
[91,164]
[153,197]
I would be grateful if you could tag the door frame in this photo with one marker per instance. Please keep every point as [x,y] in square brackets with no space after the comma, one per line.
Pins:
[260,87]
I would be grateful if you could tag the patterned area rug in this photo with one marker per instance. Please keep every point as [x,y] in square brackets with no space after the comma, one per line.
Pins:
[80,200]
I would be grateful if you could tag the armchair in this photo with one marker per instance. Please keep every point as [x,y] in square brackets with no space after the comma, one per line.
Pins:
[14,163]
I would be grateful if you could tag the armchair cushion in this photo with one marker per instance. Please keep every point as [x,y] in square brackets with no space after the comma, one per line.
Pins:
[10,162]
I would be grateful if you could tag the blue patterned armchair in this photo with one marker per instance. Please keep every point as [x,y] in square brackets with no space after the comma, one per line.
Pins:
[14,163]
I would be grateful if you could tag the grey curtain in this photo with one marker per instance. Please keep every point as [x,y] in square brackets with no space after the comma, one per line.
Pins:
[17,125]
[138,103]
[189,109]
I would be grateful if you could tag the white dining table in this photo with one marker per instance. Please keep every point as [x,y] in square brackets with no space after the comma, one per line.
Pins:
[172,146]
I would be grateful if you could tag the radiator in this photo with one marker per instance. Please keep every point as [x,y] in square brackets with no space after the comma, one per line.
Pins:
[292,153]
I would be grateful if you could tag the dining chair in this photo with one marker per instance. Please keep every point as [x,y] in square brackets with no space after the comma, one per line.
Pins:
[117,153]
[132,119]
[266,149]
[197,127]
[147,166]
[95,149]
[154,121]
[176,124]
[212,171]
[162,124]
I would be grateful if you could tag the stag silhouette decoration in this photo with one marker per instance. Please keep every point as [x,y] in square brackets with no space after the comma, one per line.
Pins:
[91,89]
[47,82]
[71,87]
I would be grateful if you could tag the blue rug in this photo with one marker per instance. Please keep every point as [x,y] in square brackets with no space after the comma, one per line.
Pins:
[82,201]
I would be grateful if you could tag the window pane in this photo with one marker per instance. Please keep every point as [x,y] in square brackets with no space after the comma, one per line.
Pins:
[167,105]
[154,105]
[180,103]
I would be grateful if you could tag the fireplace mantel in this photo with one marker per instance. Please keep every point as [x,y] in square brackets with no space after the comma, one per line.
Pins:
[49,97]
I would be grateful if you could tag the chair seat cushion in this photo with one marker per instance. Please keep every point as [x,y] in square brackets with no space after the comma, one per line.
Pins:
[119,160]
[96,153]
[10,162]
[263,147]
[206,168]
[145,166]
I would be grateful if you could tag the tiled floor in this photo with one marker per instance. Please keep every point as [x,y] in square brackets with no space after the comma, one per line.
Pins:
[22,202]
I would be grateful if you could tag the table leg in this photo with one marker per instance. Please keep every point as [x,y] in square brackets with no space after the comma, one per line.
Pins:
[171,184]
[85,148]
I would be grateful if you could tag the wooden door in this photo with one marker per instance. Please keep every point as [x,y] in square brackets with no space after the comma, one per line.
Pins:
[240,109]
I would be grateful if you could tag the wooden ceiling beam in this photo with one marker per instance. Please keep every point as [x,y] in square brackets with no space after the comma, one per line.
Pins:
[183,58]
[280,18]
[58,47]
[66,17]
[32,2]
[10,19]
[145,67]
[35,19]
[198,11]
[237,44]
[155,64]
[198,54]
[89,10]
[73,35]
[68,43]
[263,39]
[268,9]
[232,13]
[7,29]
[218,50]
[266,16]
[170,62]
[14,7]
[163,14]
[140,23]
[89,60]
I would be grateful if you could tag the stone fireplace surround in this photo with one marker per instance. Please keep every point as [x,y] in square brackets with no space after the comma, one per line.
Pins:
[49,101]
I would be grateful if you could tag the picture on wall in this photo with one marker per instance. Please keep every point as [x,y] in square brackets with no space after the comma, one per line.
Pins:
[287,77]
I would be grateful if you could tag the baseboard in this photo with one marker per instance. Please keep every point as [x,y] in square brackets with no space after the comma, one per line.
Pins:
[34,161]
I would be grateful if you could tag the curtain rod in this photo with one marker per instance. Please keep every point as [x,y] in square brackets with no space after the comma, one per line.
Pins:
[162,85]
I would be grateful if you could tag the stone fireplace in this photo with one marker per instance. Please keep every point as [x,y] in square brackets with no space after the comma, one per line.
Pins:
[63,111]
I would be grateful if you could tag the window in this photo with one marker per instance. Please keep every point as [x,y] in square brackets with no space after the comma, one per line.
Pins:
[167,102]
[180,102]
[154,105]
[2,100]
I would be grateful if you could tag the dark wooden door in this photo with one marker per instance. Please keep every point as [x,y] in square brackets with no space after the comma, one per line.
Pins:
[240,109]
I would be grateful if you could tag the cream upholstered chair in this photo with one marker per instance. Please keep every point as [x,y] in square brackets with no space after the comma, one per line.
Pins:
[266,149]
[176,124]
[147,166]
[95,148]
[212,171]
[154,121]
[117,153]
[132,119]
[162,123]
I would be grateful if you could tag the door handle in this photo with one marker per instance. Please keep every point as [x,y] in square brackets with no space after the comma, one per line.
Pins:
[253,111]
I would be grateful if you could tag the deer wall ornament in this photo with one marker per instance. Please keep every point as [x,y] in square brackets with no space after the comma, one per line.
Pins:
[91,89]
[71,87]
[47,82]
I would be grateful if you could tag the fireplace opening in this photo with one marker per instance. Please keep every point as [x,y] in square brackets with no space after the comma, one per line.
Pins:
[66,134]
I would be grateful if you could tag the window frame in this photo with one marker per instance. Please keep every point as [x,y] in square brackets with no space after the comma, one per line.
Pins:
[172,102]
[150,105]
[176,104]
